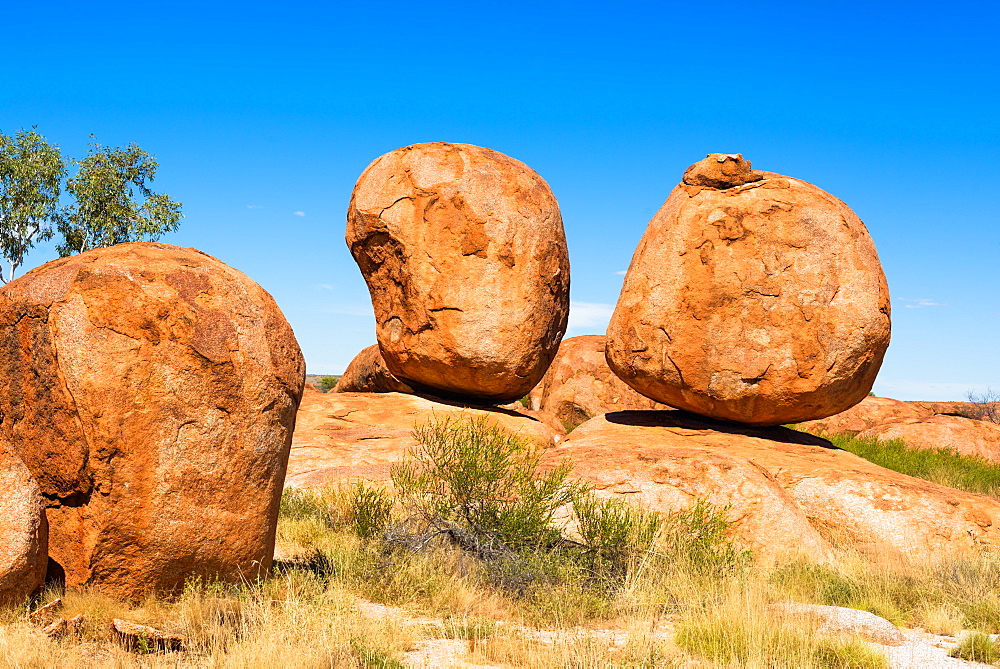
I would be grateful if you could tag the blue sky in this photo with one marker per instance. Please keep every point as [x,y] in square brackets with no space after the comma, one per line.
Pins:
[263,115]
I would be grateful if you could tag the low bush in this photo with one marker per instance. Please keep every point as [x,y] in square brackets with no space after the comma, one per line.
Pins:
[977,647]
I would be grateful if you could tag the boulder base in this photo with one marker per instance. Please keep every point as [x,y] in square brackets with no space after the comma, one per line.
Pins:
[347,437]
[791,493]
[465,258]
[752,297]
[23,531]
[151,390]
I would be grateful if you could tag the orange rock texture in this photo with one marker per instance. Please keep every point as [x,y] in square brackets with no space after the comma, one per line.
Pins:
[465,258]
[579,384]
[23,531]
[151,390]
[345,437]
[367,373]
[919,424]
[790,491]
[752,297]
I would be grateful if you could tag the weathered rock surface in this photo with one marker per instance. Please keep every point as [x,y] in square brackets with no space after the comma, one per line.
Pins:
[23,531]
[151,390]
[964,435]
[840,620]
[367,373]
[866,414]
[579,384]
[919,424]
[790,492]
[346,437]
[752,297]
[465,258]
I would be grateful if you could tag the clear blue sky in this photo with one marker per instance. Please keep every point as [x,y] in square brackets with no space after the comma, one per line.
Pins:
[263,115]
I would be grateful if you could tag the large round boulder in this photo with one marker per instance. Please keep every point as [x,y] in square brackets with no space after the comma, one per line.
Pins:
[465,258]
[752,297]
[23,531]
[151,390]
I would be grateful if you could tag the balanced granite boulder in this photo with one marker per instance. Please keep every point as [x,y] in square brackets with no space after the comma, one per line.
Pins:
[23,531]
[152,391]
[752,297]
[367,373]
[465,258]
[579,384]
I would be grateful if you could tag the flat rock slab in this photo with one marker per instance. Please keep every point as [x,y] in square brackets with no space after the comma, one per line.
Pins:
[791,492]
[343,437]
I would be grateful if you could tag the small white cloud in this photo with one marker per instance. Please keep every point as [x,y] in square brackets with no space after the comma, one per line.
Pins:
[255,206]
[921,302]
[592,316]
[622,273]
[324,286]
[299,213]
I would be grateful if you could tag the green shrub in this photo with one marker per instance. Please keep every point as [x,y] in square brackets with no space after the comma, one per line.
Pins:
[483,485]
[327,383]
[977,647]
[699,538]
[614,533]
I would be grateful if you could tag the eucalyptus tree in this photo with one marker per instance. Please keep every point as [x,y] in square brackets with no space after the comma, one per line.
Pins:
[31,175]
[112,202]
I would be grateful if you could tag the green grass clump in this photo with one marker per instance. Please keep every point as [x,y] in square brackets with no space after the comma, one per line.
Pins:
[747,641]
[938,465]
[977,647]
[910,597]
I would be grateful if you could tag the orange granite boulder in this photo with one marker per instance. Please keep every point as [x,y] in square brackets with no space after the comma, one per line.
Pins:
[23,531]
[752,297]
[151,390]
[465,258]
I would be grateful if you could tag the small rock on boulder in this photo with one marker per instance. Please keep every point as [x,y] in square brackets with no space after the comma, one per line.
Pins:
[151,390]
[752,297]
[579,384]
[23,531]
[367,373]
[465,258]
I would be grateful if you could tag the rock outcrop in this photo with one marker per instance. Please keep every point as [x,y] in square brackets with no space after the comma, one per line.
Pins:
[752,297]
[791,492]
[465,258]
[347,437]
[917,423]
[151,390]
[367,373]
[579,384]
[23,531]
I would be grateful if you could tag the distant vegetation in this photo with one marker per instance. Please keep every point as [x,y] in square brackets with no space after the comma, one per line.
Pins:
[939,465]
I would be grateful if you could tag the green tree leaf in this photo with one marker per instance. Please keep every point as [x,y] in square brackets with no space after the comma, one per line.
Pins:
[31,174]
